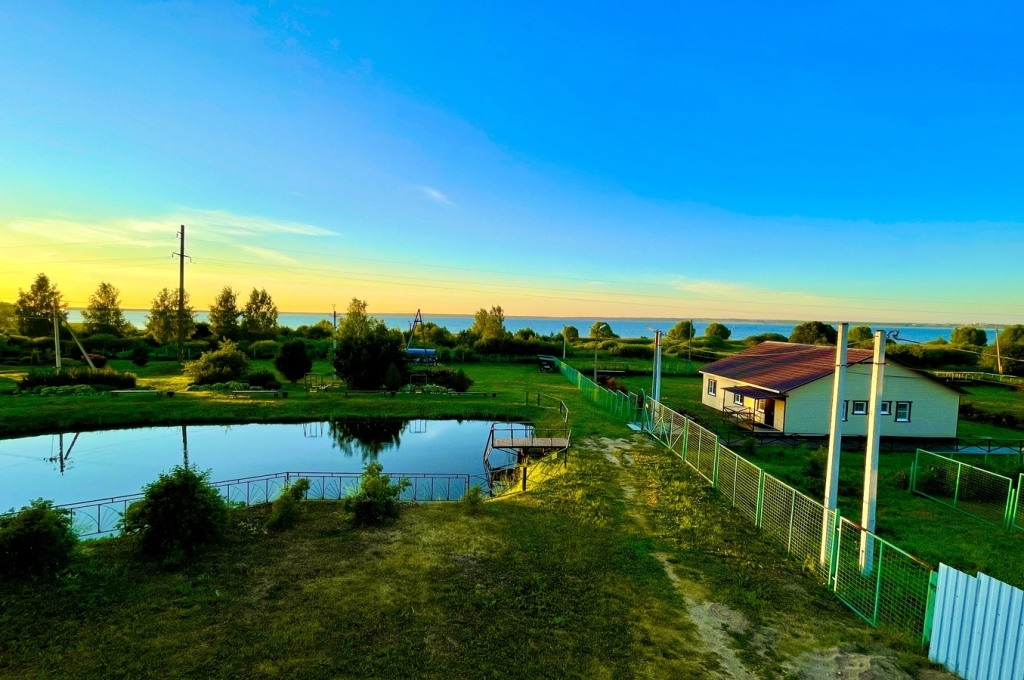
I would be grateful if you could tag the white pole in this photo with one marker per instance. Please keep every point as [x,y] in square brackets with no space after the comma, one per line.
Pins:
[563,343]
[656,387]
[56,334]
[835,439]
[867,513]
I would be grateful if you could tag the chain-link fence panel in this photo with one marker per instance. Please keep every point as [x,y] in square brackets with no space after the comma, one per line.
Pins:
[886,586]
[971,490]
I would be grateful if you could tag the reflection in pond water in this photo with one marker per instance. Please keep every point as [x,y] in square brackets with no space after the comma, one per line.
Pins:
[74,467]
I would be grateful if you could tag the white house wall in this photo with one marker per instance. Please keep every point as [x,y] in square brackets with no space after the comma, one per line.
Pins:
[934,407]
[933,412]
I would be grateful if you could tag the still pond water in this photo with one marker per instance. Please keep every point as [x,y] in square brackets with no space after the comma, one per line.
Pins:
[117,462]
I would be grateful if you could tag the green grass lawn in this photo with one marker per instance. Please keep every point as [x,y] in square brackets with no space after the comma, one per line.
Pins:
[615,569]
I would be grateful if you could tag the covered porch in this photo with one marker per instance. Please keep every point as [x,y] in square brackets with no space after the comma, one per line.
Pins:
[754,408]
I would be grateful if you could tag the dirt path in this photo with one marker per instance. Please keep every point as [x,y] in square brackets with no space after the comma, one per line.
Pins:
[777,644]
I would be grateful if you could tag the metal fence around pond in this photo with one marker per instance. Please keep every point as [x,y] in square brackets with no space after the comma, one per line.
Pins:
[102,516]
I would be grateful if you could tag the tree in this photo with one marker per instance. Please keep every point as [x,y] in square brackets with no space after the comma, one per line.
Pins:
[34,309]
[259,317]
[103,315]
[814,333]
[162,322]
[970,335]
[601,329]
[858,334]
[525,334]
[356,322]
[571,333]
[1012,335]
[682,331]
[292,360]
[224,315]
[489,325]
[362,359]
[717,330]
[8,318]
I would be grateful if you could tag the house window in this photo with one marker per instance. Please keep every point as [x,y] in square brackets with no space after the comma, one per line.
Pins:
[737,399]
[902,411]
[845,404]
[860,408]
[886,408]
[712,386]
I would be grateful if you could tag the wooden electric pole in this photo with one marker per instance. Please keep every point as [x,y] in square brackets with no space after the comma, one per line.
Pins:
[181,295]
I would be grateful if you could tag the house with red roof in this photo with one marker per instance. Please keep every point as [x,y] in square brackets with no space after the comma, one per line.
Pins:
[787,388]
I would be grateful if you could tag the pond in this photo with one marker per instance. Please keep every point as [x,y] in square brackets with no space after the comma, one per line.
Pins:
[72,467]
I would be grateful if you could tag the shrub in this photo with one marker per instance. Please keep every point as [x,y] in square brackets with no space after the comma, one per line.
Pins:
[261,378]
[292,359]
[814,333]
[98,360]
[222,365]
[633,352]
[717,330]
[38,541]
[765,337]
[179,514]
[140,356]
[286,511]
[462,381]
[376,501]
[77,376]
[473,501]
[264,348]
[393,378]
[272,385]
[66,390]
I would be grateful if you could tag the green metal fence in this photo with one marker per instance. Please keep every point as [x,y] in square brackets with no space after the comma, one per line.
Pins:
[976,492]
[883,584]
[614,403]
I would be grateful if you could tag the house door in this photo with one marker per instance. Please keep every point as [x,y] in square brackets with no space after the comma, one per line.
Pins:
[769,412]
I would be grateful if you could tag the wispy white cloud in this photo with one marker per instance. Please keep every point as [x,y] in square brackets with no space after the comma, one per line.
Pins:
[434,195]
[219,221]
[271,255]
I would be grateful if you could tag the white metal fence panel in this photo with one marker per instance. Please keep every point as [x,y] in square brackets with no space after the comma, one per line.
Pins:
[978,626]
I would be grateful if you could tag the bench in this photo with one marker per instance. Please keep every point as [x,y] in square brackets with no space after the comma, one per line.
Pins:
[259,393]
[117,393]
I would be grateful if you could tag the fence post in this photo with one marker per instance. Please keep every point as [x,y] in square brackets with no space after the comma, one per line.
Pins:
[760,499]
[929,608]
[714,469]
[1012,501]
[878,581]
[913,472]
[686,437]
[792,514]
[956,492]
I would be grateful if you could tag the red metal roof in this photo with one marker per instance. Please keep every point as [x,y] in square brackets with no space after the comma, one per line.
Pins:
[783,366]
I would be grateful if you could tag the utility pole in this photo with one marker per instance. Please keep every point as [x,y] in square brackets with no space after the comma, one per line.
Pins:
[563,343]
[56,334]
[181,294]
[867,513]
[334,314]
[689,350]
[835,440]
[999,355]
[184,443]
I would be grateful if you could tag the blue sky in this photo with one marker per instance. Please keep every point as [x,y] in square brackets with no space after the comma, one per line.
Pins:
[733,160]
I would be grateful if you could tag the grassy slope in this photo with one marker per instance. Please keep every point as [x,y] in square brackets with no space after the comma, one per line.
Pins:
[565,581]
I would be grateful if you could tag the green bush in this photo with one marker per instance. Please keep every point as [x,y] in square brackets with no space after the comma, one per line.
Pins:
[272,385]
[67,391]
[462,381]
[293,360]
[286,511]
[77,376]
[140,356]
[225,364]
[393,378]
[37,541]
[261,378]
[180,514]
[633,352]
[473,501]
[376,501]
[262,348]
[446,377]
